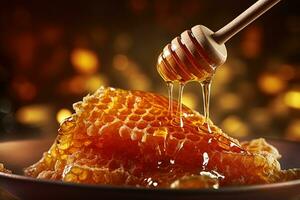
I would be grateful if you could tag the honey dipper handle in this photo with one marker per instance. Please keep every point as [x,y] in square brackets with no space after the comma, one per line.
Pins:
[241,21]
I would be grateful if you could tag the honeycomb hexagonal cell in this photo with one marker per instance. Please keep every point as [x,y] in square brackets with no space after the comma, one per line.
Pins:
[124,137]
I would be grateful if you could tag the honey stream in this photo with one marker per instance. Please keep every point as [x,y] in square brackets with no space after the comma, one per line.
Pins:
[170,86]
[179,107]
[206,99]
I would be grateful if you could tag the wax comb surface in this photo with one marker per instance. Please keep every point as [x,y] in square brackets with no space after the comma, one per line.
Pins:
[124,137]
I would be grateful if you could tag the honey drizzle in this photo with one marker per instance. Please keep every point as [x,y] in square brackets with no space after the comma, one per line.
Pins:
[193,72]
[206,87]
[206,100]
[179,107]
[170,86]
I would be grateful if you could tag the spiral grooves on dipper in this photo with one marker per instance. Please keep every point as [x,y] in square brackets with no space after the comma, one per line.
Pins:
[184,60]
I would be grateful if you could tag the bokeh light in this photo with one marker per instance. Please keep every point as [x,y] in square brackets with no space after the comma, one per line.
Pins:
[292,99]
[260,117]
[33,114]
[55,60]
[94,82]
[271,84]
[190,100]
[62,114]
[277,107]
[85,61]
[235,127]
[229,101]
[293,130]
[131,72]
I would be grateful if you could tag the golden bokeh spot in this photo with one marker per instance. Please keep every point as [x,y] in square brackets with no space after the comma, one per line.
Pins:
[85,61]
[277,107]
[234,126]
[80,84]
[33,114]
[271,84]
[62,114]
[190,100]
[224,74]
[94,82]
[292,99]
[130,71]
[229,101]
[293,130]
[222,77]
[138,81]
[260,117]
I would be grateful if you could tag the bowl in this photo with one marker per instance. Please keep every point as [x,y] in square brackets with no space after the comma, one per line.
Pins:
[25,188]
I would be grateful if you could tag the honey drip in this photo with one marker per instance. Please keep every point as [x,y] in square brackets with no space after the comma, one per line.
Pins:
[179,111]
[206,99]
[170,95]
[206,85]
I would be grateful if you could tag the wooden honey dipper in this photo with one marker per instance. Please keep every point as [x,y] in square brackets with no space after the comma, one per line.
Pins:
[195,54]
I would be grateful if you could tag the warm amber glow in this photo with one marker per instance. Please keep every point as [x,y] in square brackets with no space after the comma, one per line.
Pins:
[292,99]
[25,89]
[223,76]
[85,61]
[229,101]
[120,62]
[33,114]
[62,114]
[94,82]
[122,42]
[271,84]
[130,71]
[234,126]
[278,108]
[293,130]
[77,85]
[260,117]
[138,81]
[189,99]
[80,84]
[286,72]
[252,41]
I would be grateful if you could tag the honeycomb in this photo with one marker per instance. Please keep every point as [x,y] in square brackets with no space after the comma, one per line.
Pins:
[124,137]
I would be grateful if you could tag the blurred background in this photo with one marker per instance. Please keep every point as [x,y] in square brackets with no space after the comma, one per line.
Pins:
[54,53]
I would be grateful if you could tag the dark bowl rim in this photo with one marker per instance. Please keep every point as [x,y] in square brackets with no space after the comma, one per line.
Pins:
[228,189]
